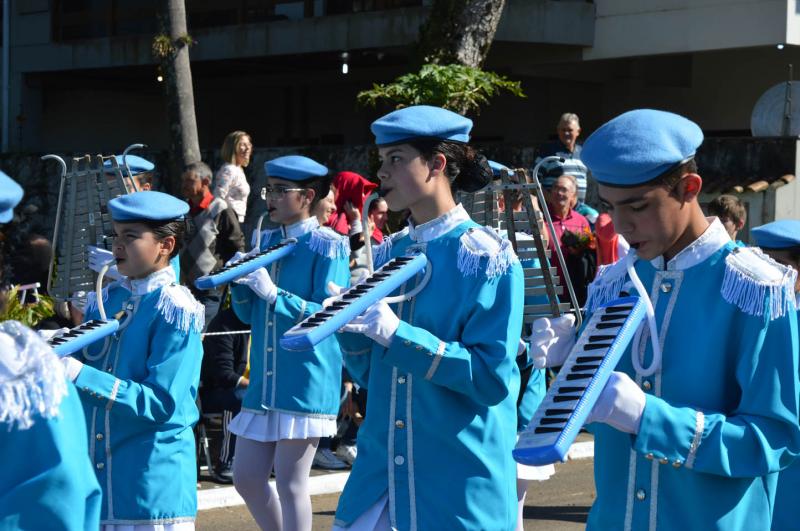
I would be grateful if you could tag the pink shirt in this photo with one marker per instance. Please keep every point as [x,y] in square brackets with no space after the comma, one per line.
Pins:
[572,222]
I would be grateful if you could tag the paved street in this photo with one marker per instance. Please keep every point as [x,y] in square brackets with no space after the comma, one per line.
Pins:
[559,504]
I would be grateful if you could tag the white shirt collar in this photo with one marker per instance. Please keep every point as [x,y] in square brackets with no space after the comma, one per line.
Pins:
[301,227]
[712,240]
[162,277]
[439,226]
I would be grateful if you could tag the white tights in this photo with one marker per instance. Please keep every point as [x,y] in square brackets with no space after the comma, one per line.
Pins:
[522,490]
[290,507]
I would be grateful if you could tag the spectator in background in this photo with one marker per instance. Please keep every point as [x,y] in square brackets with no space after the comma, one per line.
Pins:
[230,183]
[610,245]
[378,214]
[573,236]
[214,235]
[224,376]
[566,147]
[731,213]
[351,191]
[325,207]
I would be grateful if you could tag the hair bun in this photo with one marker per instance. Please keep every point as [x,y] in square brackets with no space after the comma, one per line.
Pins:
[475,173]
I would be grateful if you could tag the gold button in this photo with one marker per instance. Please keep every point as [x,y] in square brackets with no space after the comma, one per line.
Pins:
[663,460]
[646,385]
[641,495]
[99,436]
[677,463]
[648,456]
[666,287]
[399,424]
[100,466]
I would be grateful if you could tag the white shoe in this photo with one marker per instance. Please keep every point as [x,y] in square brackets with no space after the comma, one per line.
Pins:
[347,453]
[325,459]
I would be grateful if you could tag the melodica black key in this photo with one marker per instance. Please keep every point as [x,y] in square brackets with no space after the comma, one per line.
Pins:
[353,302]
[573,394]
[82,336]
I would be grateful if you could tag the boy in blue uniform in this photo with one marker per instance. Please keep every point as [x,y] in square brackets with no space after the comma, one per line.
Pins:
[781,241]
[695,438]
[293,397]
[47,480]
[434,451]
[139,388]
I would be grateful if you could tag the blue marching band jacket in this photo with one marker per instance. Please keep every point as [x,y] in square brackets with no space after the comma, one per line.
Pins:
[139,392]
[721,413]
[307,382]
[441,414]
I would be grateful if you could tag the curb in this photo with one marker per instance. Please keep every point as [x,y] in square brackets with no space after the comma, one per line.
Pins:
[228,497]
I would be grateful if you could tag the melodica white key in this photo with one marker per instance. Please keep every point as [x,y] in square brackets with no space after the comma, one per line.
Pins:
[573,394]
[353,302]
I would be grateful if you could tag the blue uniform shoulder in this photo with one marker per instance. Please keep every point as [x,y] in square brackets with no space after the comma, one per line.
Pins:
[179,308]
[32,379]
[481,247]
[327,242]
[757,284]
[382,251]
[606,285]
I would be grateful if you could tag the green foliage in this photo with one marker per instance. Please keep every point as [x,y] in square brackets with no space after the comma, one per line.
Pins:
[456,87]
[163,47]
[28,314]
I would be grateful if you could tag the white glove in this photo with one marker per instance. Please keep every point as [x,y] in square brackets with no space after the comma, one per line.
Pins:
[260,282]
[551,340]
[72,367]
[379,323]
[620,405]
[47,335]
[99,257]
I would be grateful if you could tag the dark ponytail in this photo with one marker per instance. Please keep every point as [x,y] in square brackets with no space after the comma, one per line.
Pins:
[467,170]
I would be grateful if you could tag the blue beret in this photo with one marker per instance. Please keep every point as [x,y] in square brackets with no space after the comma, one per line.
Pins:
[421,121]
[136,164]
[295,168]
[10,196]
[778,234]
[636,147]
[147,206]
[497,168]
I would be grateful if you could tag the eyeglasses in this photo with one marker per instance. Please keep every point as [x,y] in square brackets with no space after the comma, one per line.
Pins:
[276,192]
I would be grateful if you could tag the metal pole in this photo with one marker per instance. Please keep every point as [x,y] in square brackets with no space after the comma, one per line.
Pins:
[6,60]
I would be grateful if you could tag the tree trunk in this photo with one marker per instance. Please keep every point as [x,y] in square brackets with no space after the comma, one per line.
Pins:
[177,72]
[460,31]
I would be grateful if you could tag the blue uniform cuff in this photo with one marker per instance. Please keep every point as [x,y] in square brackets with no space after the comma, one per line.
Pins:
[98,386]
[415,350]
[669,434]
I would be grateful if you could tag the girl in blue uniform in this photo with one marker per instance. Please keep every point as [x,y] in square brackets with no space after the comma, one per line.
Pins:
[47,480]
[781,241]
[293,397]
[434,451]
[139,387]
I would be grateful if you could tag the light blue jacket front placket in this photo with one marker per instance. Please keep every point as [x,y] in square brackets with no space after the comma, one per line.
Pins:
[441,414]
[721,413]
[139,392]
[305,382]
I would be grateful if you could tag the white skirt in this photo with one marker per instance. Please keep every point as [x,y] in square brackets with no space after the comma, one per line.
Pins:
[182,526]
[534,473]
[276,425]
